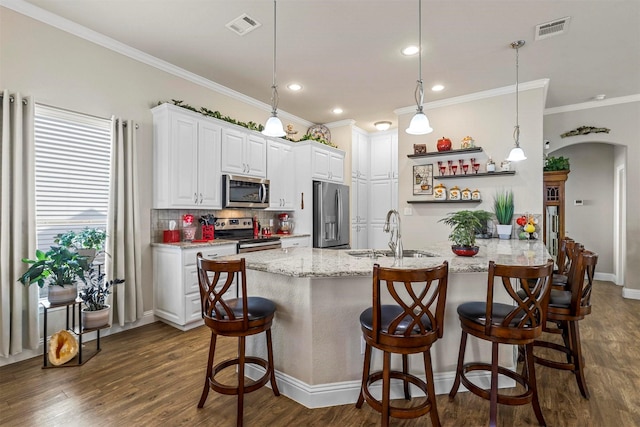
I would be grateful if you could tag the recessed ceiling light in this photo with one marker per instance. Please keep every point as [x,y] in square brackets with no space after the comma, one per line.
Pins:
[294,86]
[383,125]
[337,110]
[600,97]
[437,88]
[410,50]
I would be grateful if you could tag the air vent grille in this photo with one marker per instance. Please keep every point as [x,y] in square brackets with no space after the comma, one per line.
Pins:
[243,25]
[552,28]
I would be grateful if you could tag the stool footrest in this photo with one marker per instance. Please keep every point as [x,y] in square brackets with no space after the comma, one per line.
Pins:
[520,399]
[396,412]
[249,386]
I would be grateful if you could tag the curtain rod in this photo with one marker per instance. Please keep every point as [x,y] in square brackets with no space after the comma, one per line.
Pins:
[12,99]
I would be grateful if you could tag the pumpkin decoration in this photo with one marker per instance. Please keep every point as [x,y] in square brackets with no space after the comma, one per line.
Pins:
[62,348]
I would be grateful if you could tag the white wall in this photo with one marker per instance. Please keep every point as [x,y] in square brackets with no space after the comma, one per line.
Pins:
[490,121]
[624,121]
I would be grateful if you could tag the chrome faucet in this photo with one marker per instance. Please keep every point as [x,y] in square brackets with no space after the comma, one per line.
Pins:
[395,240]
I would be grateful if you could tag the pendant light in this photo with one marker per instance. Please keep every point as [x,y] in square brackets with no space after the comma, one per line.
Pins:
[273,127]
[517,153]
[419,124]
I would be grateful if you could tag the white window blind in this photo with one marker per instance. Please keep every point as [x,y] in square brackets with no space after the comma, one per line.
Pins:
[72,155]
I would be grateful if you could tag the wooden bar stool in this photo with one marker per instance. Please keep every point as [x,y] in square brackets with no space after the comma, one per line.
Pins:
[519,323]
[566,256]
[234,317]
[566,309]
[410,325]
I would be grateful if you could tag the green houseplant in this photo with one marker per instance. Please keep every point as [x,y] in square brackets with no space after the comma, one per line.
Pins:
[59,267]
[503,208]
[556,164]
[94,296]
[465,224]
[87,242]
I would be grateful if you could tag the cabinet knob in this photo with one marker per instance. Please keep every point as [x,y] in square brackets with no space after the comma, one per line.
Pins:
[195,198]
[201,198]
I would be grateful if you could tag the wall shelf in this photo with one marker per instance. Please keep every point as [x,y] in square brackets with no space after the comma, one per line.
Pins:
[446,153]
[443,201]
[476,175]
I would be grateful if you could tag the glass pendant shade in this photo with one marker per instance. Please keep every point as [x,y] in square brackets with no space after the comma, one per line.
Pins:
[274,127]
[516,154]
[419,125]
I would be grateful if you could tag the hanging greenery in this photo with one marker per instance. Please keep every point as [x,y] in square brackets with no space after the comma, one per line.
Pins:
[249,125]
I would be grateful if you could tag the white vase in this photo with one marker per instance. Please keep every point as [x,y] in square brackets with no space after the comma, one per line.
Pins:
[95,319]
[62,294]
[504,231]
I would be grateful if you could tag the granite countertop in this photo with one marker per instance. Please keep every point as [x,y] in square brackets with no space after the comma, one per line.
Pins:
[312,262]
[216,242]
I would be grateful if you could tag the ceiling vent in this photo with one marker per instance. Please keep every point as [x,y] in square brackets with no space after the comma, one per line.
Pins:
[243,25]
[552,28]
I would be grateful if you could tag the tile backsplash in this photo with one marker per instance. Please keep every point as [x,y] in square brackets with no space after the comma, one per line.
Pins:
[160,218]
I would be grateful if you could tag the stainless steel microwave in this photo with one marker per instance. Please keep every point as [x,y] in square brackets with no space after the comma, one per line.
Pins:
[245,192]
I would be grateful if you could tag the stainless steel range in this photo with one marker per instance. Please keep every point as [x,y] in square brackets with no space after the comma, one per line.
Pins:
[241,229]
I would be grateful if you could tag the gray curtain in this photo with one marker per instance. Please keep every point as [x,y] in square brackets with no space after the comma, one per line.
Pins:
[124,259]
[18,304]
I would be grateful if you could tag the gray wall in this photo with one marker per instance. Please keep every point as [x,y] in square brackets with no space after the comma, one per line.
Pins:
[591,180]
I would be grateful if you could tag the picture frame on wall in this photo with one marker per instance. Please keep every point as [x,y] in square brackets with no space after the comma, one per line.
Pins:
[423,180]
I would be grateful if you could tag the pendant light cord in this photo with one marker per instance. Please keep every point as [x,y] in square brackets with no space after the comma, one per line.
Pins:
[516,130]
[274,87]
[419,93]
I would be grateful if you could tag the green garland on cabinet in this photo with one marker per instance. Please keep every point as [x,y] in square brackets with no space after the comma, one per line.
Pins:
[249,125]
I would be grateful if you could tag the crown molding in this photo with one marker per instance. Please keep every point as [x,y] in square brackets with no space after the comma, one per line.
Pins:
[339,123]
[535,84]
[593,104]
[78,30]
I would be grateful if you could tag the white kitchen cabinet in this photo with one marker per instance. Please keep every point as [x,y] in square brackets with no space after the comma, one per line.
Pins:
[296,242]
[186,159]
[360,158]
[384,156]
[175,283]
[359,236]
[280,170]
[378,239]
[243,153]
[327,164]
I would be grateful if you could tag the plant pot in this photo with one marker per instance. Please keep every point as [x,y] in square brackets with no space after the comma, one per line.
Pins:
[89,253]
[465,250]
[504,231]
[62,294]
[95,319]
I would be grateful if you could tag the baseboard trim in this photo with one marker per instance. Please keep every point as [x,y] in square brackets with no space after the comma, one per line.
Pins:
[630,293]
[147,318]
[606,277]
[347,392]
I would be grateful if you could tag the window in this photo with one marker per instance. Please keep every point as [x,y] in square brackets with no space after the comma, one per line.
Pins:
[73,164]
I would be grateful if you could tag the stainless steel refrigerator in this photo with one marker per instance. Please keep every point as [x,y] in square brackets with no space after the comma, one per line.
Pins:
[331,226]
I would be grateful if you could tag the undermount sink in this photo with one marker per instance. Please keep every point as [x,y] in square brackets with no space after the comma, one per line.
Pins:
[408,253]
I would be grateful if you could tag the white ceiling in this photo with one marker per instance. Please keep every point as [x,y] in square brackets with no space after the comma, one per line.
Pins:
[347,53]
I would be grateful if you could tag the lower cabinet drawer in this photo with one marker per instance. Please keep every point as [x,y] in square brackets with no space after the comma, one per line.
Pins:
[192,309]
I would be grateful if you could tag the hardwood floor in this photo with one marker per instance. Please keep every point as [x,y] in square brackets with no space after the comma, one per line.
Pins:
[153,376]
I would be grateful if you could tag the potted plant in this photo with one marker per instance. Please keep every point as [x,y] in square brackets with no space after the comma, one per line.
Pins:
[60,268]
[87,242]
[465,225]
[552,164]
[503,208]
[483,216]
[95,313]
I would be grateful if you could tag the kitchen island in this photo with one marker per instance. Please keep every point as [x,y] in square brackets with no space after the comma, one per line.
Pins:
[320,293]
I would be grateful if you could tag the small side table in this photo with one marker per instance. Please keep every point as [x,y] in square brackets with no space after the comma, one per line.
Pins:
[71,326]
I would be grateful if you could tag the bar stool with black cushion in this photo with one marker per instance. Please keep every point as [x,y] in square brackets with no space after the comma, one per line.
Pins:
[233,317]
[566,309]
[566,255]
[408,326]
[519,323]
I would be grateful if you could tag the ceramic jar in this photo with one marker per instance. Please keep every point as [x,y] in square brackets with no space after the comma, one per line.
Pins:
[440,192]
[466,194]
[454,193]
[475,195]
[491,166]
[444,144]
[467,142]
[505,165]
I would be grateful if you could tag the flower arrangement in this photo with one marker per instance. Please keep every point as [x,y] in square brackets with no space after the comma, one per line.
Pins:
[528,227]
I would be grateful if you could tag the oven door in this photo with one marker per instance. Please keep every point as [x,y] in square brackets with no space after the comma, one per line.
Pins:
[260,246]
[245,192]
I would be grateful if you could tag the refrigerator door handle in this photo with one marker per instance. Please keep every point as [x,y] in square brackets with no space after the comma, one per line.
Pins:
[339,207]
